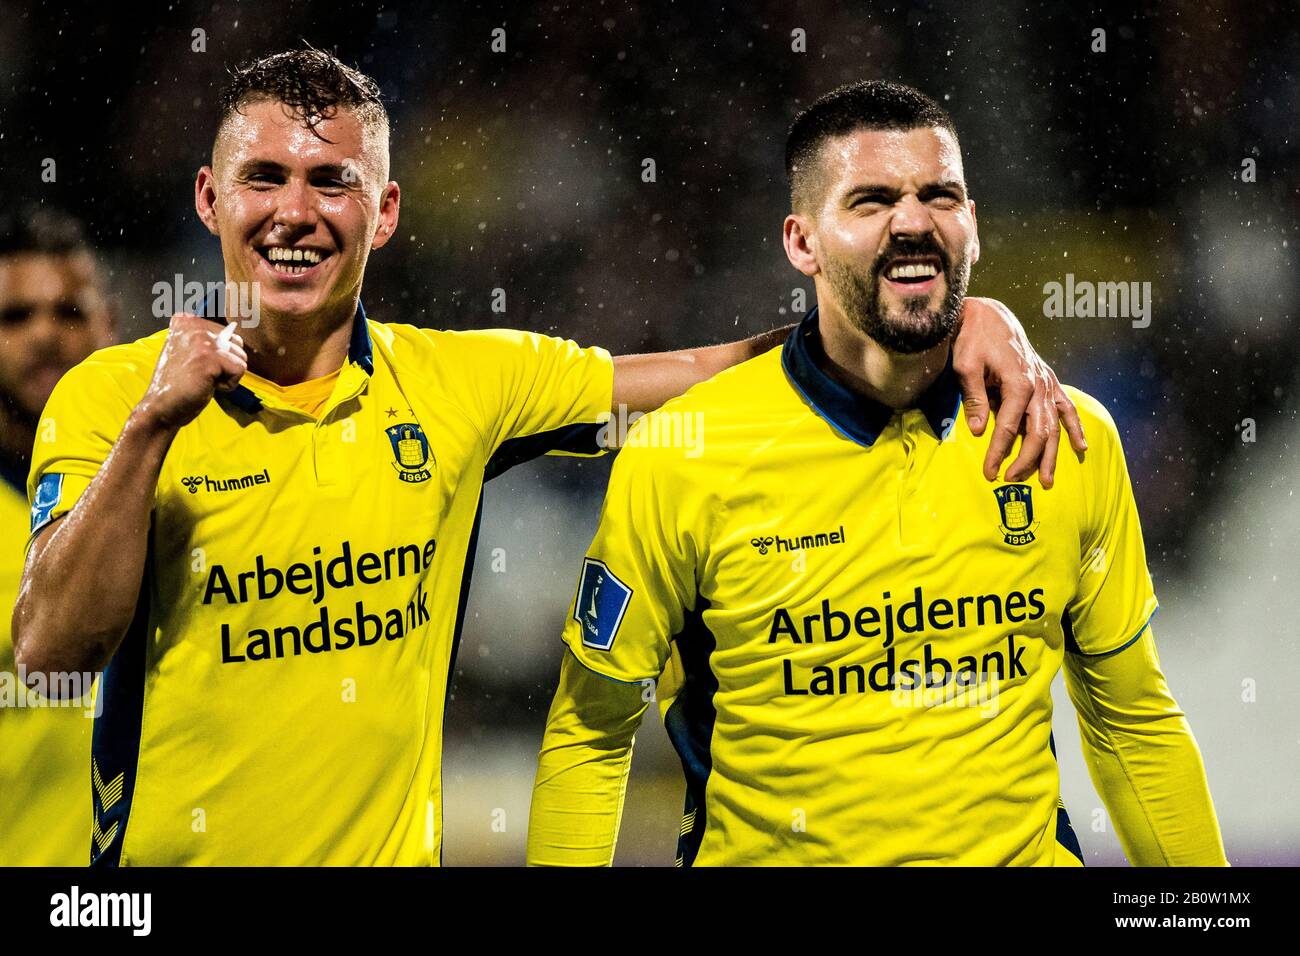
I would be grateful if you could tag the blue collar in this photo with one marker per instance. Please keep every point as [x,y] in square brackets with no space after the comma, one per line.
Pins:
[856,417]
[360,350]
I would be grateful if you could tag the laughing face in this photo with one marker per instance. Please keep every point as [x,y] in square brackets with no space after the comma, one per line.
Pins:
[297,212]
[895,235]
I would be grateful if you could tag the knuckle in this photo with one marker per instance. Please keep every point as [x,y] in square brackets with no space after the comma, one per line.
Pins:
[963,364]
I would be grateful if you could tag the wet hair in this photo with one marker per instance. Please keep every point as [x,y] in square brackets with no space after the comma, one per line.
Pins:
[869,104]
[313,84]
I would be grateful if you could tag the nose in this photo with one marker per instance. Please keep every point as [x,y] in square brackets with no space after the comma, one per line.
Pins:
[43,327]
[911,218]
[295,208]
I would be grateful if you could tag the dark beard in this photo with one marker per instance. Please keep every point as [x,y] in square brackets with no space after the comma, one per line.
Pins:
[919,328]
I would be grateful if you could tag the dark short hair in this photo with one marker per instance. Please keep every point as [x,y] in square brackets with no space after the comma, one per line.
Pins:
[312,83]
[43,230]
[869,104]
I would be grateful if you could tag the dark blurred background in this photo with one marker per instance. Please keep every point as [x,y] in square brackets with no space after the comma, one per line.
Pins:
[522,171]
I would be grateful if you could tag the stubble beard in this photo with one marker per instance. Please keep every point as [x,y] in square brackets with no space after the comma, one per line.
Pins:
[915,327]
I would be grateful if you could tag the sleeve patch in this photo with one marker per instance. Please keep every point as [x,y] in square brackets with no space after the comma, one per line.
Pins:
[602,601]
[48,494]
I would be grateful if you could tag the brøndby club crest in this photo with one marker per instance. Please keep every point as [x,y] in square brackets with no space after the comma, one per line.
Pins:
[1016,502]
[411,451]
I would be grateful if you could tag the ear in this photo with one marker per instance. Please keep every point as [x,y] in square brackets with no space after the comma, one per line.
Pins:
[801,243]
[975,251]
[390,202]
[205,199]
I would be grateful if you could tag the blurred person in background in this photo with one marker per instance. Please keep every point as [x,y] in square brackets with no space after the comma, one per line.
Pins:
[54,311]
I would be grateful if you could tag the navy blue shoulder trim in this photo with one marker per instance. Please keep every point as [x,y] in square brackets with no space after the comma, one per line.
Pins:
[579,439]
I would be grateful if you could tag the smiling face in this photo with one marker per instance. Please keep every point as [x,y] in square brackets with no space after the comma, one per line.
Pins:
[297,212]
[893,234]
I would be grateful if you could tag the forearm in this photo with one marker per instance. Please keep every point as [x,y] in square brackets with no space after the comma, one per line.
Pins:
[644,382]
[582,770]
[1154,787]
[82,579]
[1144,760]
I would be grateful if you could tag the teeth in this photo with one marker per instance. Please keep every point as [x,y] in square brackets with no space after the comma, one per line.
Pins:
[912,271]
[281,254]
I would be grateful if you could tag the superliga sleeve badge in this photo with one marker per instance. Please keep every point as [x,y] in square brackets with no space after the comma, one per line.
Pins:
[410,451]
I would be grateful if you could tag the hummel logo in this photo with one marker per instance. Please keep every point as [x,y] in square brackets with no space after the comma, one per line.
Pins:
[195,482]
[799,542]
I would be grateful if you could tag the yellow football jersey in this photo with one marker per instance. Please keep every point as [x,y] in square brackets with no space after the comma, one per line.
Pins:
[44,741]
[279,698]
[856,632]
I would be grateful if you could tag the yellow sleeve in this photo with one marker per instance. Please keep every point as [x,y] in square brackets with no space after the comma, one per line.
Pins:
[582,769]
[635,588]
[1143,758]
[638,580]
[78,428]
[1114,600]
[525,386]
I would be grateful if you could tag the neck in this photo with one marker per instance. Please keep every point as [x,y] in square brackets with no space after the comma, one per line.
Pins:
[859,362]
[289,349]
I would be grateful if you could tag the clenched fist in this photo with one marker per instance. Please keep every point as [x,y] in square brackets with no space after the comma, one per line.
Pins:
[199,359]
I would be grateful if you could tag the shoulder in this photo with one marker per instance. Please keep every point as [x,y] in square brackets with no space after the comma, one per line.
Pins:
[476,345]
[751,391]
[124,369]
[717,424]
[495,372]
[1089,406]
[1103,468]
[1098,423]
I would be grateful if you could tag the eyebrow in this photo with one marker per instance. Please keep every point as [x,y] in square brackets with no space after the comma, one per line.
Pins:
[866,189]
[252,166]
